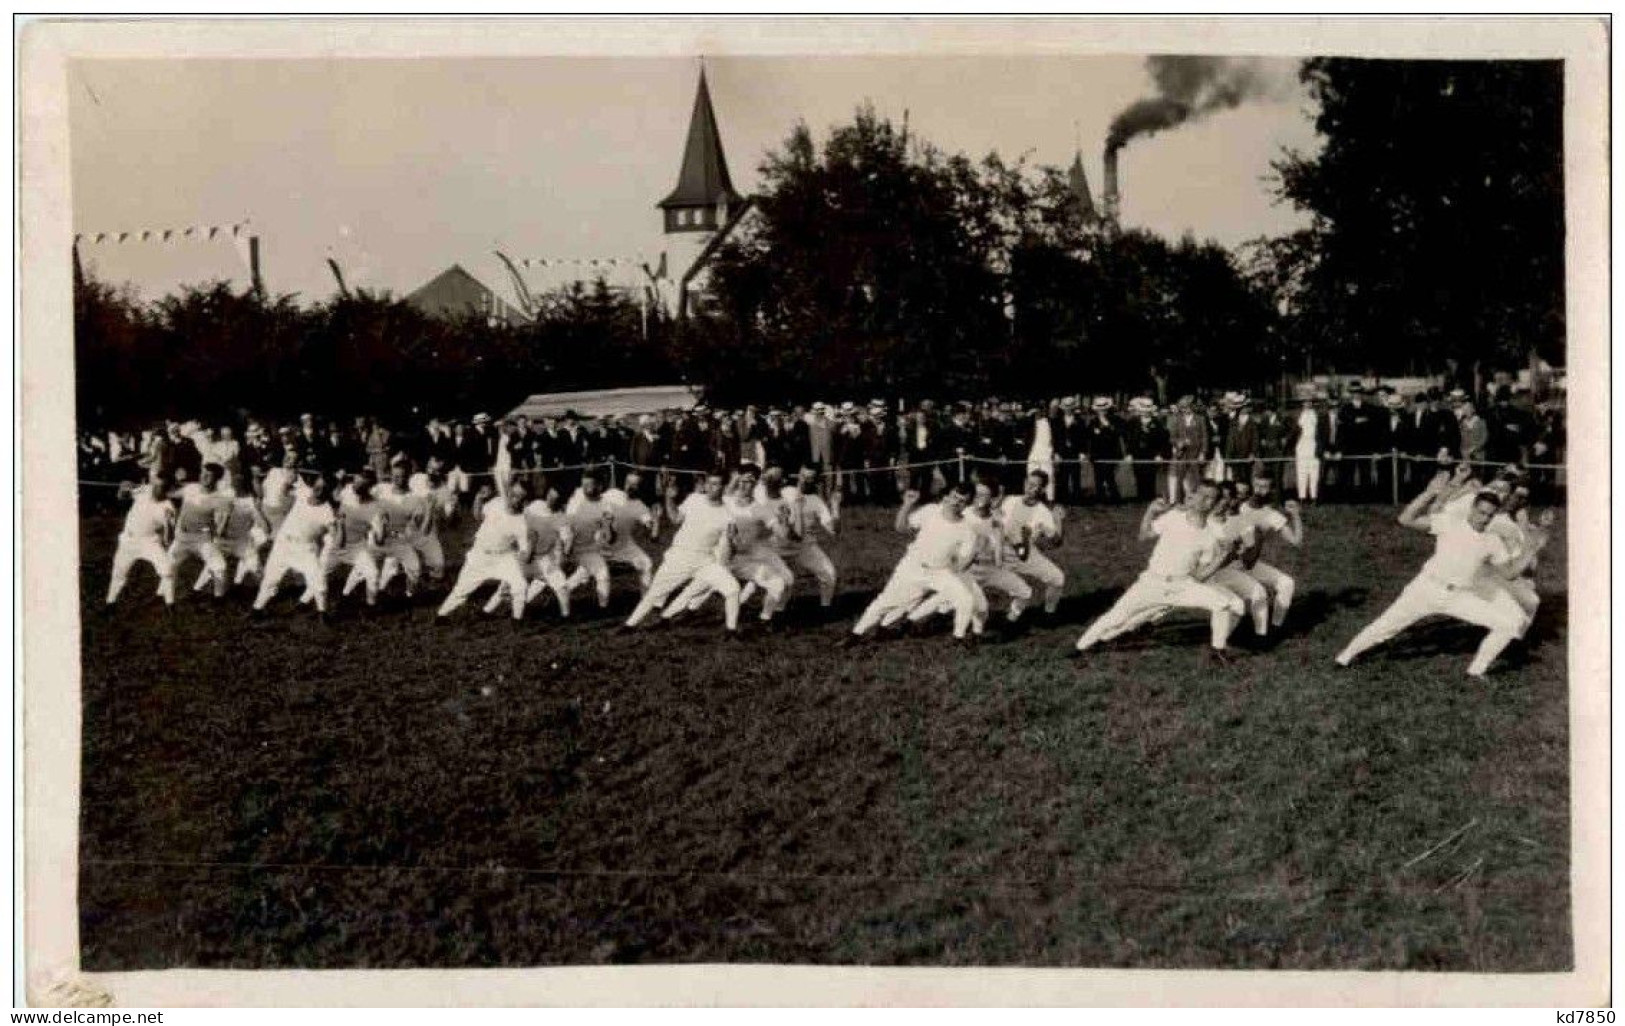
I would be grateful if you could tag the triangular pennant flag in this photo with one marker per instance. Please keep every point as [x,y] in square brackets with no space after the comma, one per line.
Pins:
[146,233]
[236,230]
[193,230]
[169,234]
[101,236]
[76,239]
[214,230]
[123,235]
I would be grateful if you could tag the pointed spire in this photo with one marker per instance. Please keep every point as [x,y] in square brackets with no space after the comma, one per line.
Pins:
[1079,184]
[703,180]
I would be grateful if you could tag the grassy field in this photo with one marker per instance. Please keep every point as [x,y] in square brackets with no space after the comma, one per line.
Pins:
[385,793]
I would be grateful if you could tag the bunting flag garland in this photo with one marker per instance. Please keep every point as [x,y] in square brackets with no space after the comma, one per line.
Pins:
[238,231]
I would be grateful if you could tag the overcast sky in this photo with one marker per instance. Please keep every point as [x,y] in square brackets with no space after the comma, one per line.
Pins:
[400,168]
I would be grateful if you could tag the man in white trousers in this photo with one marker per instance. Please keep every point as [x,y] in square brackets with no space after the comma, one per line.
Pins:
[499,552]
[700,549]
[934,563]
[359,537]
[205,507]
[631,515]
[414,517]
[1186,552]
[552,540]
[988,569]
[1260,522]
[306,530]
[1031,524]
[802,510]
[758,526]
[245,533]
[1452,582]
[149,527]
[592,525]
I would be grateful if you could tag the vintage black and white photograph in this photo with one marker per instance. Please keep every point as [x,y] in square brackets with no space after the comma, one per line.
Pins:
[1097,510]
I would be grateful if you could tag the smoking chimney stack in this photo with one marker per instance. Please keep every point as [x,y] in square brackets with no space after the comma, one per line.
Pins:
[1110,197]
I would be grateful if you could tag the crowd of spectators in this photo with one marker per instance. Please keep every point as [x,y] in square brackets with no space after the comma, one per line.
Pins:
[1097,449]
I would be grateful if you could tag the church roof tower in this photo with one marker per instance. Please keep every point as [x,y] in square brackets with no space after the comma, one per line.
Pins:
[704,190]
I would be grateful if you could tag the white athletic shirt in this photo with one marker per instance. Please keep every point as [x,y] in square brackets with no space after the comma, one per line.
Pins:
[440,495]
[753,521]
[148,518]
[306,522]
[1181,545]
[1014,514]
[629,513]
[358,520]
[410,515]
[1514,534]
[279,489]
[501,532]
[1462,505]
[1460,552]
[198,511]
[814,510]
[586,516]
[989,533]
[1263,521]
[548,528]
[703,525]
[240,521]
[938,542]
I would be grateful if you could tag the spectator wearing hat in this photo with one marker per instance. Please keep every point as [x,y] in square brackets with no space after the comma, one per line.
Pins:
[1475,434]
[1147,443]
[1385,437]
[343,451]
[1041,449]
[751,427]
[1512,430]
[879,445]
[923,442]
[476,452]
[1069,432]
[1273,429]
[1357,445]
[799,452]
[848,451]
[1240,439]
[1309,440]
[377,440]
[775,439]
[959,438]
[1410,436]
[821,437]
[1106,450]
[1188,436]
[646,450]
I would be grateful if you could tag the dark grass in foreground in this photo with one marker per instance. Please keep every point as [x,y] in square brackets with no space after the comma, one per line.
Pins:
[280,794]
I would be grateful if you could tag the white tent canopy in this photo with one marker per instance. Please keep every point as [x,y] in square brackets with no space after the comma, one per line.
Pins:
[605,402]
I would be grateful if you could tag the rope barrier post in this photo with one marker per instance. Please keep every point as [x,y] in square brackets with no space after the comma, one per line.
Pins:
[1393,472]
[611,465]
[962,466]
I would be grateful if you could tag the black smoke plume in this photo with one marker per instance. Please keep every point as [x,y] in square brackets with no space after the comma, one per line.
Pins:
[1190,88]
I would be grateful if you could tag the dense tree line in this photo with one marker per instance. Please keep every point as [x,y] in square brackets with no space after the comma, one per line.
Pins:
[211,351]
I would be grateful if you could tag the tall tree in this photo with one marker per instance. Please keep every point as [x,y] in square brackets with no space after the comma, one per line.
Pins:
[1438,214]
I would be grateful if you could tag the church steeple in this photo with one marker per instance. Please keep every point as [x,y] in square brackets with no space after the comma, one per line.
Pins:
[1078,184]
[704,192]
